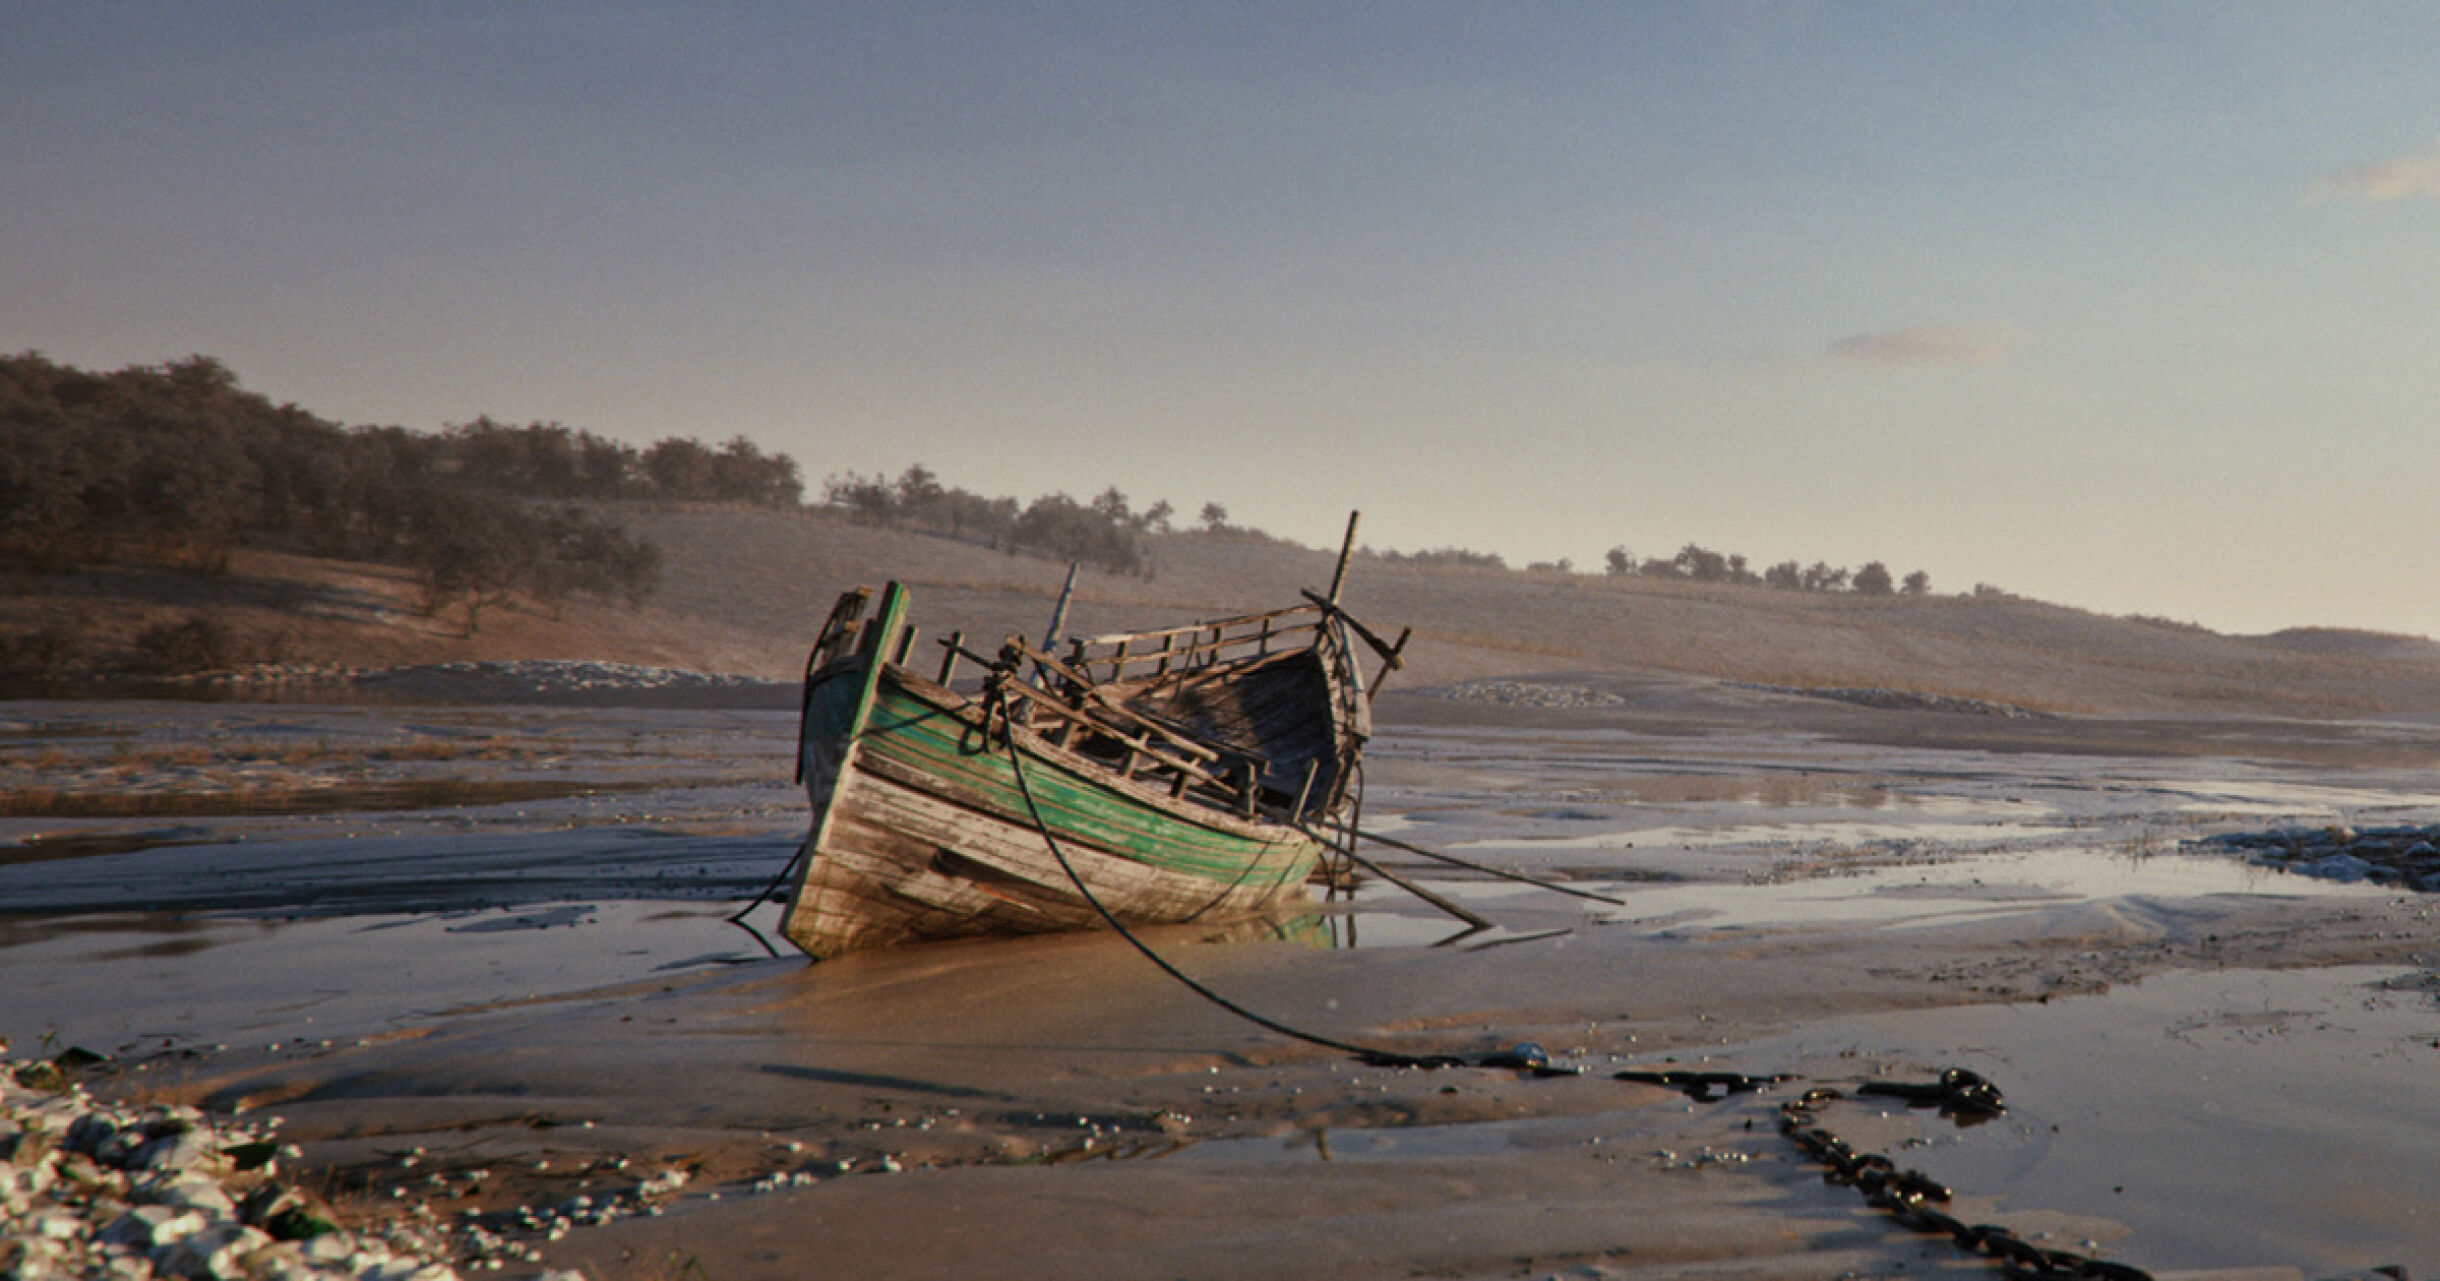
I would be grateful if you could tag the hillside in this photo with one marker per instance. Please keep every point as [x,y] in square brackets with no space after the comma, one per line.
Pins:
[744,591]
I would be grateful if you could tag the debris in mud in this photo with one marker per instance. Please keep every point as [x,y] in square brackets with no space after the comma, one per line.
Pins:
[2404,856]
[94,1189]
[517,681]
[1907,700]
[531,677]
[128,1191]
[1523,694]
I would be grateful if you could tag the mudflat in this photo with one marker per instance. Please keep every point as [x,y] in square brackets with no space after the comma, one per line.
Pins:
[479,961]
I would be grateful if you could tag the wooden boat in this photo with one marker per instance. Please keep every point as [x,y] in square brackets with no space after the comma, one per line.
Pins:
[1196,774]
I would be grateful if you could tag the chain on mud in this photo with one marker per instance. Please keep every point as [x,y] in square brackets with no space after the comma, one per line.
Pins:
[1914,1198]
[1911,1197]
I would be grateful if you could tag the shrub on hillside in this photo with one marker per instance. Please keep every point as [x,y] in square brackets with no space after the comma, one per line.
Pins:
[44,651]
[193,644]
[1106,533]
[1445,558]
[475,552]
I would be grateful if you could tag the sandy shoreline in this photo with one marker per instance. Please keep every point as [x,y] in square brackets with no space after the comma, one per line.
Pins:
[1841,892]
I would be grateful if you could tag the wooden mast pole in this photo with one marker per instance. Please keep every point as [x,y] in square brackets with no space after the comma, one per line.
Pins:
[1059,612]
[1347,548]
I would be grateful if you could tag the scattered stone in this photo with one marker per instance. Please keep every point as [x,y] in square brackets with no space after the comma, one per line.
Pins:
[141,1193]
[2346,869]
[2404,856]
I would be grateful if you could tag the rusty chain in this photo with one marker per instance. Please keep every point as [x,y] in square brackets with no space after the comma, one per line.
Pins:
[1702,1087]
[1911,1197]
[1914,1198]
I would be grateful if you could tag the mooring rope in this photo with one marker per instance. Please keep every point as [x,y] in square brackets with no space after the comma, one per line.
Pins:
[1372,1055]
[1909,1197]
[773,888]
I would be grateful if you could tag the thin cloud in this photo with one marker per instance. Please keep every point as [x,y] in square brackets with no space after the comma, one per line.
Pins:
[2385,180]
[1923,345]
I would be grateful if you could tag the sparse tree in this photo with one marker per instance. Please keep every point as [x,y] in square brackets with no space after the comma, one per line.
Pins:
[680,470]
[1873,580]
[742,473]
[1068,529]
[1702,564]
[1918,584]
[471,550]
[1619,562]
[918,490]
[867,498]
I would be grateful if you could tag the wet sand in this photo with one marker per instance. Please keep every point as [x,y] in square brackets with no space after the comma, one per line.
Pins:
[2211,1067]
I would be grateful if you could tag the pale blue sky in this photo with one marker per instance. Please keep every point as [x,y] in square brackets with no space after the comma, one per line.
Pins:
[2132,307]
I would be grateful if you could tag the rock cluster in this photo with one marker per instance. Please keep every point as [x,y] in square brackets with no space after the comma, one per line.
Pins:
[2403,856]
[90,1190]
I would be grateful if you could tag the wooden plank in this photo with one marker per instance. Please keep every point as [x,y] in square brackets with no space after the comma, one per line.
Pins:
[881,884]
[1130,818]
[1193,629]
[1104,702]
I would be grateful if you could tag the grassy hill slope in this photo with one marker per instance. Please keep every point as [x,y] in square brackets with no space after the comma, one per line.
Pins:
[764,580]
[744,591]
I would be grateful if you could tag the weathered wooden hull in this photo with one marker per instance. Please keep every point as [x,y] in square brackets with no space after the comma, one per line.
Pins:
[1186,775]
[923,832]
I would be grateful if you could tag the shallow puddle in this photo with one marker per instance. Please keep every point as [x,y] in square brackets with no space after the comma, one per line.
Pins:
[1412,1142]
[2297,802]
[1933,893]
[138,984]
[1914,894]
[1835,834]
[387,796]
[206,978]
[2231,1119]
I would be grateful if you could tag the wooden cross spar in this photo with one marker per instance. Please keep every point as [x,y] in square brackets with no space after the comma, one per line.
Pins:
[1502,873]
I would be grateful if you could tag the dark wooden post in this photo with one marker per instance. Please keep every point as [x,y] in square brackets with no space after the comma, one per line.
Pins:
[1347,548]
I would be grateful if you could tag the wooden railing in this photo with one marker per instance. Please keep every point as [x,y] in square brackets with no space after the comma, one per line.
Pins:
[1137,655]
[1063,703]
[1073,715]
